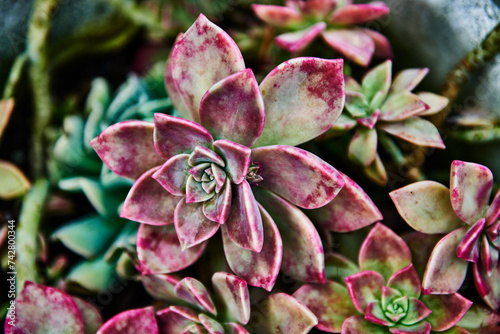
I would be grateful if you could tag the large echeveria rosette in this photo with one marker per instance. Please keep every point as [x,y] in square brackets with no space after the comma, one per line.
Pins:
[472,225]
[204,176]
[383,296]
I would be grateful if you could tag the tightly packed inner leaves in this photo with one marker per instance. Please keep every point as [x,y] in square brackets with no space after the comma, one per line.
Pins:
[228,152]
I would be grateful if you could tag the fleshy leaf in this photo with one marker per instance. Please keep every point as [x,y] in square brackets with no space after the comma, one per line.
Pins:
[191,224]
[299,40]
[407,80]
[351,210]
[94,275]
[374,313]
[258,269]
[338,267]
[91,317]
[303,97]
[212,326]
[159,250]
[281,313]
[382,46]
[234,328]
[218,208]
[363,146]
[422,327]
[377,82]
[303,256]
[196,191]
[236,157]
[149,203]
[488,287]
[384,252]
[14,182]
[416,130]
[233,109]
[194,292]
[201,154]
[203,43]
[489,255]
[417,311]
[406,281]
[127,148]
[6,108]
[364,287]
[131,322]
[316,9]
[435,102]
[278,16]
[173,174]
[41,309]
[358,325]
[376,171]
[470,186]
[330,303]
[360,13]
[161,287]
[175,135]
[426,207]
[468,247]
[478,316]
[447,310]
[344,123]
[401,106]
[493,212]
[369,121]
[170,320]
[445,272]
[354,44]
[297,175]
[356,104]
[233,292]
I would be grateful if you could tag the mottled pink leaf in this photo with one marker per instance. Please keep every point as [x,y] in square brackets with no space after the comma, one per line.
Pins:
[175,135]
[354,44]
[422,327]
[233,109]
[233,292]
[406,281]
[278,16]
[417,311]
[234,328]
[364,287]
[447,310]
[303,256]
[303,97]
[488,287]
[194,292]
[173,174]
[401,106]
[374,313]
[159,250]
[330,303]
[493,233]
[493,212]
[127,148]
[468,247]
[281,313]
[191,225]
[445,272]
[170,320]
[355,14]
[131,322]
[217,209]
[148,202]
[435,102]
[201,154]
[426,207]
[382,46]
[173,93]
[236,157]
[416,130]
[195,191]
[91,317]
[358,325]
[384,251]
[407,80]
[299,40]
[488,254]
[194,329]
[212,326]
[363,146]
[369,121]
[161,287]
[203,43]
[351,210]
[470,186]
[297,175]
[41,309]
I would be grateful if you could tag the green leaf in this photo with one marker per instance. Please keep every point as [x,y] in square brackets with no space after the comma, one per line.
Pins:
[6,107]
[95,275]
[356,104]
[104,202]
[130,93]
[97,102]
[13,182]
[376,83]
[363,146]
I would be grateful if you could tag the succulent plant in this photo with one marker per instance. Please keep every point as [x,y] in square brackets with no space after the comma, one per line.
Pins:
[385,296]
[472,225]
[381,105]
[334,21]
[40,309]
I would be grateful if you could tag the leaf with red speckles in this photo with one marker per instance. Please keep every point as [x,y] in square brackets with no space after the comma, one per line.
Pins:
[303,256]
[468,247]
[278,16]
[435,102]
[297,175]
[447,310]
[149,203]
[244,225]
[358,325]
[131,322]
[426,207]
[233,292]
[236,157]
[384,252]
[258,269]
[330,303]
[212,326]
[422,327]
[445,272]
[382,45]
[159,250]
[406,281]
[127,148]
[407,80]
[351,210]
[203,43]
[470,186]
[175,135]
[91,317]
[281,313]
[194,292]
[173,93]
[191,224]
[488,287]
[233,109]
[376,83]
[172,175]
[173,320]
[354,44]
[299,40]
[416,130]
[363,146]
[364,287]
[359,13]
[401,106]
[42,309]
[303,97]
[161,287]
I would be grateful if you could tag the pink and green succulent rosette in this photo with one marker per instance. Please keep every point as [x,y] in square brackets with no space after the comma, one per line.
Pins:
[380,106]
[382,295]
[471,224]
[335,21]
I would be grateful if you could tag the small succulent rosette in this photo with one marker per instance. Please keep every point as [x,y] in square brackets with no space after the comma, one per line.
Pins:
[193,310]
[227,164]
[334,21]
[382,295]
[380,106]
[472,225]
[42,309]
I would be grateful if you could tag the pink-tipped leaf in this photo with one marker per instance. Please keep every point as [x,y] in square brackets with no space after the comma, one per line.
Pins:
[299,40]
[233,292]
[173,174]
[363,146]
[354,44]
[278,16]
[407,80]
[468,247]
[364,288]
[406,281]
[447,310]
[416,130]
[236,158]
[360,13]
[131,322]
[194,292]
[191,225]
